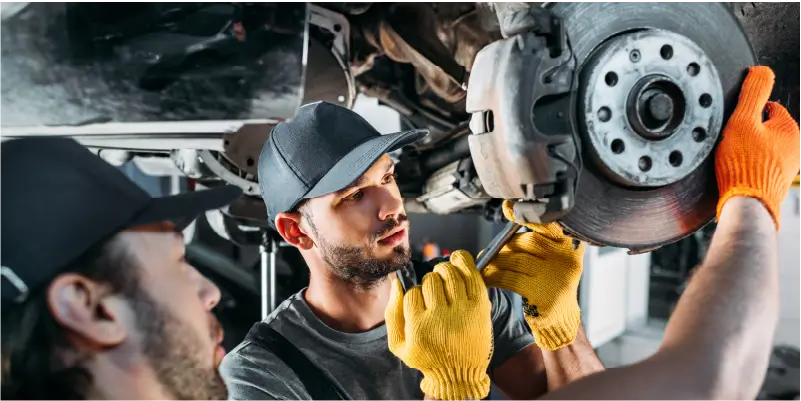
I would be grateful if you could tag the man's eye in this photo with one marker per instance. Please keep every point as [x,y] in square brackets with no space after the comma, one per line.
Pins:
[355,196]
[390,177]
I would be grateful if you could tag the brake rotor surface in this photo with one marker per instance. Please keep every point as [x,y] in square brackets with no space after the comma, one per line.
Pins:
[612,208]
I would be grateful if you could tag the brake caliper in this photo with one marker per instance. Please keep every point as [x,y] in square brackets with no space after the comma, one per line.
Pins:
[521,94]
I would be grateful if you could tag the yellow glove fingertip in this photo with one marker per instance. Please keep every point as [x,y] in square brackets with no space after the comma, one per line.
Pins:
[393,316]
[509,209]
[463,258]
[413,303]
[552,231]
[396,294]
[490,274]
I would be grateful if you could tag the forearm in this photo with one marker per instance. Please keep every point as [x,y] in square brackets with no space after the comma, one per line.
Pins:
[736,293]
[571,362]
[722,329]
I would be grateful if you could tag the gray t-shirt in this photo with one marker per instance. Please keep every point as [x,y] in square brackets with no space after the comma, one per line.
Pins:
[359,364]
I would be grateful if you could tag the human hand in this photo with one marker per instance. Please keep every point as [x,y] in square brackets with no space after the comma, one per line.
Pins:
[544,268]
[443,328]
[758,159]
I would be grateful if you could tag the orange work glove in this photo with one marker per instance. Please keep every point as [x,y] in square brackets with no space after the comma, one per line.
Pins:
[758,159]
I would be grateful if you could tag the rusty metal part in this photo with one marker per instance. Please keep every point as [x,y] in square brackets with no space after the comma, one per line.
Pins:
[429,48]
[399,50]
[463,31]
[441,44]
[615,215]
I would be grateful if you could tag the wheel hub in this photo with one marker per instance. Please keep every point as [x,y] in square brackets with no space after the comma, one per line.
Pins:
[624,211]
[645,94]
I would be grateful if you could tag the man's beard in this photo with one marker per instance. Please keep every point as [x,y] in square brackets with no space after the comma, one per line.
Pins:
[356,265]
[174,351]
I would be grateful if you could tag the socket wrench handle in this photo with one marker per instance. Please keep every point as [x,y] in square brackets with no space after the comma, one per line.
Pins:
[496,244]
[486,257]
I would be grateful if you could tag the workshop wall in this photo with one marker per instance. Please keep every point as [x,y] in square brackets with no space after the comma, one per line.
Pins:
[789,329]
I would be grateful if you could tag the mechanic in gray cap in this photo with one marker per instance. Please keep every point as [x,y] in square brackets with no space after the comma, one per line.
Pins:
[97,298]
[330,191]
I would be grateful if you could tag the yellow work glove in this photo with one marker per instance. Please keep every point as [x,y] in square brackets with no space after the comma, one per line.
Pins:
[443,328]
[758,159]
[545,270]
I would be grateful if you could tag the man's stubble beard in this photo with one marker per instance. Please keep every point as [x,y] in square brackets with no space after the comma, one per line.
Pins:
[357,266]
[173,350]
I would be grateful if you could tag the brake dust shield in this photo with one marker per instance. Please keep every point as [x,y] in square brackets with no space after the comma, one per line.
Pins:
[648,130]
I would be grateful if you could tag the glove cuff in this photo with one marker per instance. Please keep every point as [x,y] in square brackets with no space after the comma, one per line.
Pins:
[764,182]
[456,384]
[553,337]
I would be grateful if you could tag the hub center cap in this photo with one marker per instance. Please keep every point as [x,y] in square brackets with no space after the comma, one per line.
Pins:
[655,107]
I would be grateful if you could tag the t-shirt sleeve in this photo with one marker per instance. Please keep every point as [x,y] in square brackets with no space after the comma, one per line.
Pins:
[253,373]
[510,333]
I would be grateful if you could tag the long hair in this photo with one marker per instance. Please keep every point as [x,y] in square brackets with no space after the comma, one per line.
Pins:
[34,344]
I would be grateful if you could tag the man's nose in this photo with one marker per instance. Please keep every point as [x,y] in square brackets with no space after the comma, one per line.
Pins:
[391,205]
[209,293]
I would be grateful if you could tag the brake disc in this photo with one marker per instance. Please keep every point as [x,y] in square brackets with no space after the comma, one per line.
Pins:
[656,84]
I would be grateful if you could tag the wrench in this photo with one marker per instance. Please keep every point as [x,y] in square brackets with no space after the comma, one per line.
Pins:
[492,250]
[496,244]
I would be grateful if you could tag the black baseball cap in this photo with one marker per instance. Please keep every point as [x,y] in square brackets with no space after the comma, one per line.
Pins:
[60,200]
[323,149]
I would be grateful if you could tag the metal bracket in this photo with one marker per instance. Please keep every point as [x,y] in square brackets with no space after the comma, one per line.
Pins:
[163,136]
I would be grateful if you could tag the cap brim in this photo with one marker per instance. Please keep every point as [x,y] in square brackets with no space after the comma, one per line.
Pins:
[360,159]
[184,208]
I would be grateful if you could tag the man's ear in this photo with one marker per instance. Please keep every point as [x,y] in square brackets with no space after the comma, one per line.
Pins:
[91,315]
[288,225]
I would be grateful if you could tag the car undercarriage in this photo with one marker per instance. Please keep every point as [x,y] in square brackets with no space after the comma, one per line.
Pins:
[604,114]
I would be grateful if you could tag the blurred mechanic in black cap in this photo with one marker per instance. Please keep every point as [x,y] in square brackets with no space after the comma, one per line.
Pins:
[97,298]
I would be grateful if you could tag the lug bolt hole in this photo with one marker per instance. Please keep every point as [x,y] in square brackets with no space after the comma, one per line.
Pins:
[675,158]
[618,146]
[699,134]
[644,163]
[705,100]
[604,114]
[611,78]
[634,56]
[693,69]
[666,52]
